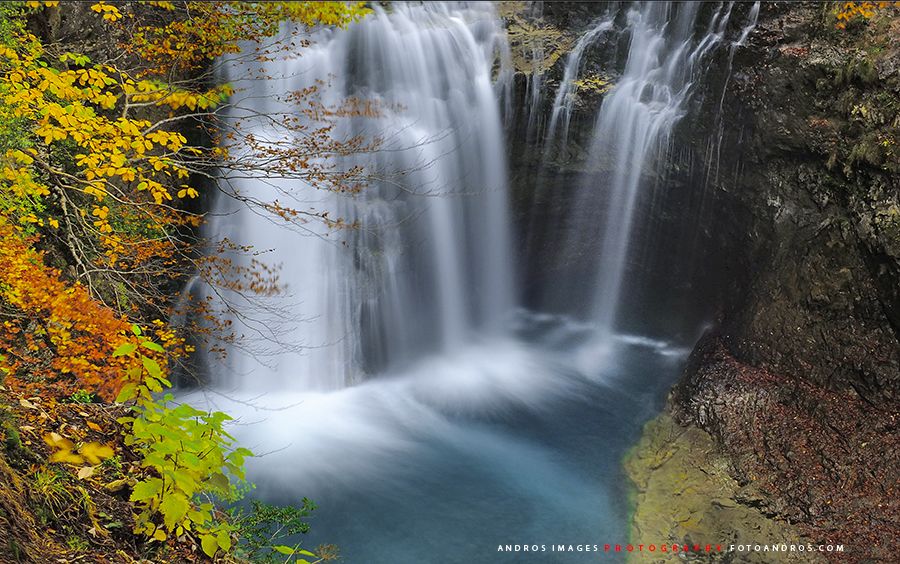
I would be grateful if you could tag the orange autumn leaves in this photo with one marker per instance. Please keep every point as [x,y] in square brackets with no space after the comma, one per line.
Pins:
[85,170]
[94,166]
[59,329]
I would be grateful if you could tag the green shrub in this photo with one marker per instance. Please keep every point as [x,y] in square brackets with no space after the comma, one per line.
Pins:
[192,456]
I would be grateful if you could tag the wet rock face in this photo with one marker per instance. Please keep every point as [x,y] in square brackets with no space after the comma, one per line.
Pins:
[827,462]
[800,384]
[822,295]
[814,309]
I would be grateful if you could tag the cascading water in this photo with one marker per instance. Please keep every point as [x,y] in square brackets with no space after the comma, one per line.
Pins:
[631,136]
[633,125]
[394,382]
[430,266]
[561,112]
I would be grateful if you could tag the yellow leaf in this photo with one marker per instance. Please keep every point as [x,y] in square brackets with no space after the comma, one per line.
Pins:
[86,472]
[117,485]
[56,440]
[66,456]
[93,426]
[27,405]
[95,452]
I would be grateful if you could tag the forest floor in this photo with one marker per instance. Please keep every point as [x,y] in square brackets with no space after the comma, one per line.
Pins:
[76,509]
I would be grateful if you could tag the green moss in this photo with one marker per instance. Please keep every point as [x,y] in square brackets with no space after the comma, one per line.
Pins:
[12,440]
[82,396]
[684,494]
[887,221]
[8,431]
[77,543]
[867,151]
[860,70]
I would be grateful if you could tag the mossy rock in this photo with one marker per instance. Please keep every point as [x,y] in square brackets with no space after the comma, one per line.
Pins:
[684,494]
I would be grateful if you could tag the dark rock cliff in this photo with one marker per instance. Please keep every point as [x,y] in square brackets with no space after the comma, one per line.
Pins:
[799,381]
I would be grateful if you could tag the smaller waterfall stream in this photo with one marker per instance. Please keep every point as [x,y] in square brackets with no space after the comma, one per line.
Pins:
[634,122]
[561,111]
[631,137]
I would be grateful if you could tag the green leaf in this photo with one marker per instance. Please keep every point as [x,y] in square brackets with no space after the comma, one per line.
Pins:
[306,553]
[153,384]
[173,507]
[283,549]
[153,346]
[126,393]
[184,481]
[198,517]
[152,367]
[125,349]
[136,330]
[190,461]
[146,490]
[185,411]
[224,540]
[219,481]
[210,544]
[166,432]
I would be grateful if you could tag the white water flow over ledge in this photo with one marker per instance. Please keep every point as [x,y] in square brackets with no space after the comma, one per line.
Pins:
[561,113]
[430,267]
[632,132]
[395,382]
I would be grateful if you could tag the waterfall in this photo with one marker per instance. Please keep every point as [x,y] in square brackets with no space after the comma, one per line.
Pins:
[565,94]
[634,121]
[631,135]
[752,18]
[394,380]
[429,266]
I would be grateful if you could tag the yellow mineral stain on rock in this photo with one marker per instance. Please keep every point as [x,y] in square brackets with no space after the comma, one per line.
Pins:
[685,495]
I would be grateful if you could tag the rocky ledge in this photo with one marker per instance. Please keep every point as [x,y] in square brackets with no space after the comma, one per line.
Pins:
[686,495]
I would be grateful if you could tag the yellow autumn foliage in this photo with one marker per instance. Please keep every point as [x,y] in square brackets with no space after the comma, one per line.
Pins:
[66,451]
